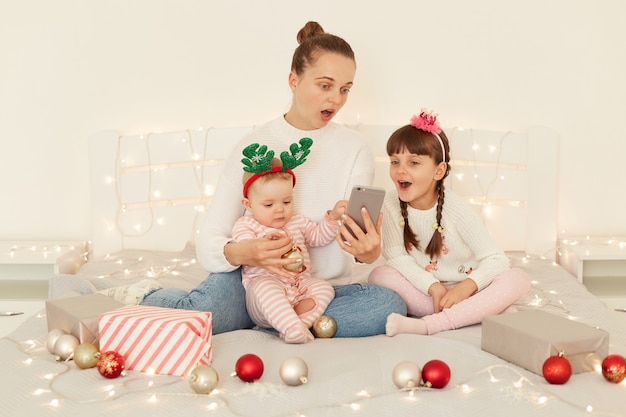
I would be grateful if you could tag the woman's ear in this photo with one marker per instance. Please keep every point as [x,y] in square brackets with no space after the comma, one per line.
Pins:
[440,172]
[293,80]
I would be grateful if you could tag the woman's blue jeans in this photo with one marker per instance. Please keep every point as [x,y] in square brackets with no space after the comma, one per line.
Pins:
[358,309]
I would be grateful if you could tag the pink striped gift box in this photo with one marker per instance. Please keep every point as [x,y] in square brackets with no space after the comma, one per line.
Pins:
[158,340]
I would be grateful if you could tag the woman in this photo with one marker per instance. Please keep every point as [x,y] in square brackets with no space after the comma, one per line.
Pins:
[322,74]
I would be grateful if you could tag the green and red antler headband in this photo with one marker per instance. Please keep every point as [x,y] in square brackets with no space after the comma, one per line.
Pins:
[258,160]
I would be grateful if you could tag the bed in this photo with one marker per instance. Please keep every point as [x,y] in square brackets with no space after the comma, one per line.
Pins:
[149,192]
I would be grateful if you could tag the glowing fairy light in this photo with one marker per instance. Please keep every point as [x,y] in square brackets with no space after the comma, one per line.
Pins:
[355,406]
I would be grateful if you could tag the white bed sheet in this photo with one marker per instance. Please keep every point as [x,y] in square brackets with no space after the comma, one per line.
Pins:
[346,376]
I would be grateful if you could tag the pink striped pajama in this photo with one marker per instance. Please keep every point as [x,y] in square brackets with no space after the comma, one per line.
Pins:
[270,299]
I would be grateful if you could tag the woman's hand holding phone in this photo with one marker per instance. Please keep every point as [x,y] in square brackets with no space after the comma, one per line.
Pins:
[359,236]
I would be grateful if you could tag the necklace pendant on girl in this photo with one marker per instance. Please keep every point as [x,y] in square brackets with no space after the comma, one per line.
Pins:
[295,254]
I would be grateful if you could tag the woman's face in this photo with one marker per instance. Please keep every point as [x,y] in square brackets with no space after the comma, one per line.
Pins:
[320,91]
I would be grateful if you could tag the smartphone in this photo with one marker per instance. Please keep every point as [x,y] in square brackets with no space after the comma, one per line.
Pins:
[365,196]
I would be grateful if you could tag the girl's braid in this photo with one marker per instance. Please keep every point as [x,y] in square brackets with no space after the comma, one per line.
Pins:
[409,237]
[436,242]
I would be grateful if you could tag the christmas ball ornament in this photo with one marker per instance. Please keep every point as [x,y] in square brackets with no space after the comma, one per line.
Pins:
[614,368]
[203,379]
[52,337]
[406,375]
[295,254]
[294,371]
[436,374]
[65,345]
[86,355]
[111,364]
[249,367]
[557,369]
[324,327]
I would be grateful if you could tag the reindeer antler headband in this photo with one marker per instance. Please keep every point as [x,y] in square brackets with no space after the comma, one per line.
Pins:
[258,160]
[427,121]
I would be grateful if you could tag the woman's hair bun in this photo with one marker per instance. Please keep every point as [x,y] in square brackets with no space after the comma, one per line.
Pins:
[309,30]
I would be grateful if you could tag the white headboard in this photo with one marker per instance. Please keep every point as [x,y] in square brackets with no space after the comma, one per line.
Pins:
[149,191]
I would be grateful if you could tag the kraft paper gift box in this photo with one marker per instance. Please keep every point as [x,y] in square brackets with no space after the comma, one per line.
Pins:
[528,338]
[158,340]
[79,315]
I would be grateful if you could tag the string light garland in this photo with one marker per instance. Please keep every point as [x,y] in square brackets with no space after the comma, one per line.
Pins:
[484,197]
[197,161]
[501,382]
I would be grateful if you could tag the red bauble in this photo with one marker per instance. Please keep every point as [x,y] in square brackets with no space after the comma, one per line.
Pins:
[111,364]
[249,367]
[614,368]
[436,374]
[557,369]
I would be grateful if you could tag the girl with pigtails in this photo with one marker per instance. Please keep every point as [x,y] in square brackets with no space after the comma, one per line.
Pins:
[439,257]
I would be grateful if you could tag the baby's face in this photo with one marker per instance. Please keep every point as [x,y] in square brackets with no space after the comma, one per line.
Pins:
[271,202]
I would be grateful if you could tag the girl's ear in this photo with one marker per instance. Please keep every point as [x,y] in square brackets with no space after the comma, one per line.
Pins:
[246,203]
[440,172]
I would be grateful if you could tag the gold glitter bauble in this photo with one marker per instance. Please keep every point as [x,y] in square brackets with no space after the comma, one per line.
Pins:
[324,327]
[86,355]
[296,254]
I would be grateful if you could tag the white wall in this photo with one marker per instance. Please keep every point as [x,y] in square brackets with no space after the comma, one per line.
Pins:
[69,69]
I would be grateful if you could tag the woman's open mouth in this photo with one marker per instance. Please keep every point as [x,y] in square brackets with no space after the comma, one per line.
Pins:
[327,114]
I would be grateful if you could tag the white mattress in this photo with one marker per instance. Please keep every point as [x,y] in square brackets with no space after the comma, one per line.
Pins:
[346,376]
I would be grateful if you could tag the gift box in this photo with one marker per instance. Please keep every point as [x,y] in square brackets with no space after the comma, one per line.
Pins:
[528,338]
[79,315]
[158,340]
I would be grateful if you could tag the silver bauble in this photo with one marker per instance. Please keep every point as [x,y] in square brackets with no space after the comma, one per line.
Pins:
[65,345]
[203,379]
[406,375]
[294,371]
[52,337]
